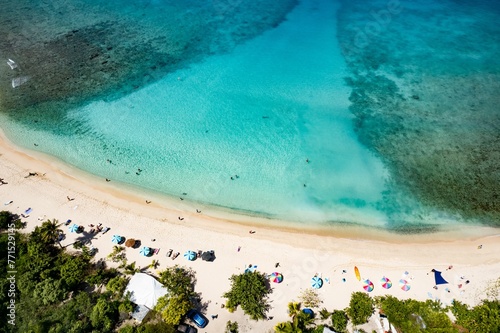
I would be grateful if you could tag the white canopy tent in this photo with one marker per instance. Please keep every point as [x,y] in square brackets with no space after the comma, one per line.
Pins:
[145,290]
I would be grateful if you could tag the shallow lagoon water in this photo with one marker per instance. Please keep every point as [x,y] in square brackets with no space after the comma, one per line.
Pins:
[264,125]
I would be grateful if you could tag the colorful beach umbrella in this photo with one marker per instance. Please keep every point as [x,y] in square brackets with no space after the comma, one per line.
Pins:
[368,285]
[356,271]
[316,282]
[404,285]
[145,251]
[190,255]
[74,228]
[386,283]
[116,239]
[276,277]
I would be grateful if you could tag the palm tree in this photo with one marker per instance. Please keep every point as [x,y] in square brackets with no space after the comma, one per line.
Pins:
[154,264]
[294,309]
[49,231]
[130,269]
[285,327]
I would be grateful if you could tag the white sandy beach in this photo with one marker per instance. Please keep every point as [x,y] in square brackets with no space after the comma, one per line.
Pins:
[301,254]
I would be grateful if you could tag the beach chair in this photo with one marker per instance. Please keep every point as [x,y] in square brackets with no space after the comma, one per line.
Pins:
[169,253]
[155,251]
[175,255]
[106,230]
[67,222]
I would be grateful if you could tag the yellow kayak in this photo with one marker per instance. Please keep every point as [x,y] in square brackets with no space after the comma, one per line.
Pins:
[356,271]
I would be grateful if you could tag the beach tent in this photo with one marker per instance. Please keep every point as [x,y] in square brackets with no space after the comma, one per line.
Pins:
[438,278]
[145,290]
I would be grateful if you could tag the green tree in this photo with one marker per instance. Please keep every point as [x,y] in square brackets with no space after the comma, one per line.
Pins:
[117,286]
[178,280]
[248,290]
[484,317]
[104,315]
[324,314]
[231,327]
[49,291]
[154,264]
[173,307]
[301,322]
[73,270]
[7,219]
[131,269]
[360,308]
[49,231]
[339,321]
[117,254]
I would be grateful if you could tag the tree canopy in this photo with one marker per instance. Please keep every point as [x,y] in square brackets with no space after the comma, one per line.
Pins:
[249,290]
[360,308]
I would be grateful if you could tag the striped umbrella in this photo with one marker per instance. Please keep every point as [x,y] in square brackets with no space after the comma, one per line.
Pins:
[116,239]
[386,283]
[145,251]
[74,228]
[276,277]
[404,285]
[316,282]
[190,255]
[368,285]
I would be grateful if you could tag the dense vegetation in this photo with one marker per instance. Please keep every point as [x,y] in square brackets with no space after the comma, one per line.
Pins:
[57,291]
[408,316]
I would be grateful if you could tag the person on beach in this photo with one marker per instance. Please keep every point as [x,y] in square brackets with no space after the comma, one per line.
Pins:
[239,248]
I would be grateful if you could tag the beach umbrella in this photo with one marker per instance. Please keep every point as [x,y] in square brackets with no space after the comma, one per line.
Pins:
[130,242]
[116,239]
[356,272]
[73,228]
[276,277]
[145,251]
[190,255]
[208,255]
[368,285]
[316,282]
[404,285]
[386,283]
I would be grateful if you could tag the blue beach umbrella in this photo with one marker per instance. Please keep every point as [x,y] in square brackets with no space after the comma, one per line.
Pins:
[190,255]
[316,282]
[116,239]
[74,228]
[145,251]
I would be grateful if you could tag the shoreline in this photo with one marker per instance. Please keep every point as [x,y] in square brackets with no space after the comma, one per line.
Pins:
[222,219]
[300,253]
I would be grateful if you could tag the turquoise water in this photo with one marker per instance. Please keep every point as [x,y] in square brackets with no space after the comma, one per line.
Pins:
[254,108]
